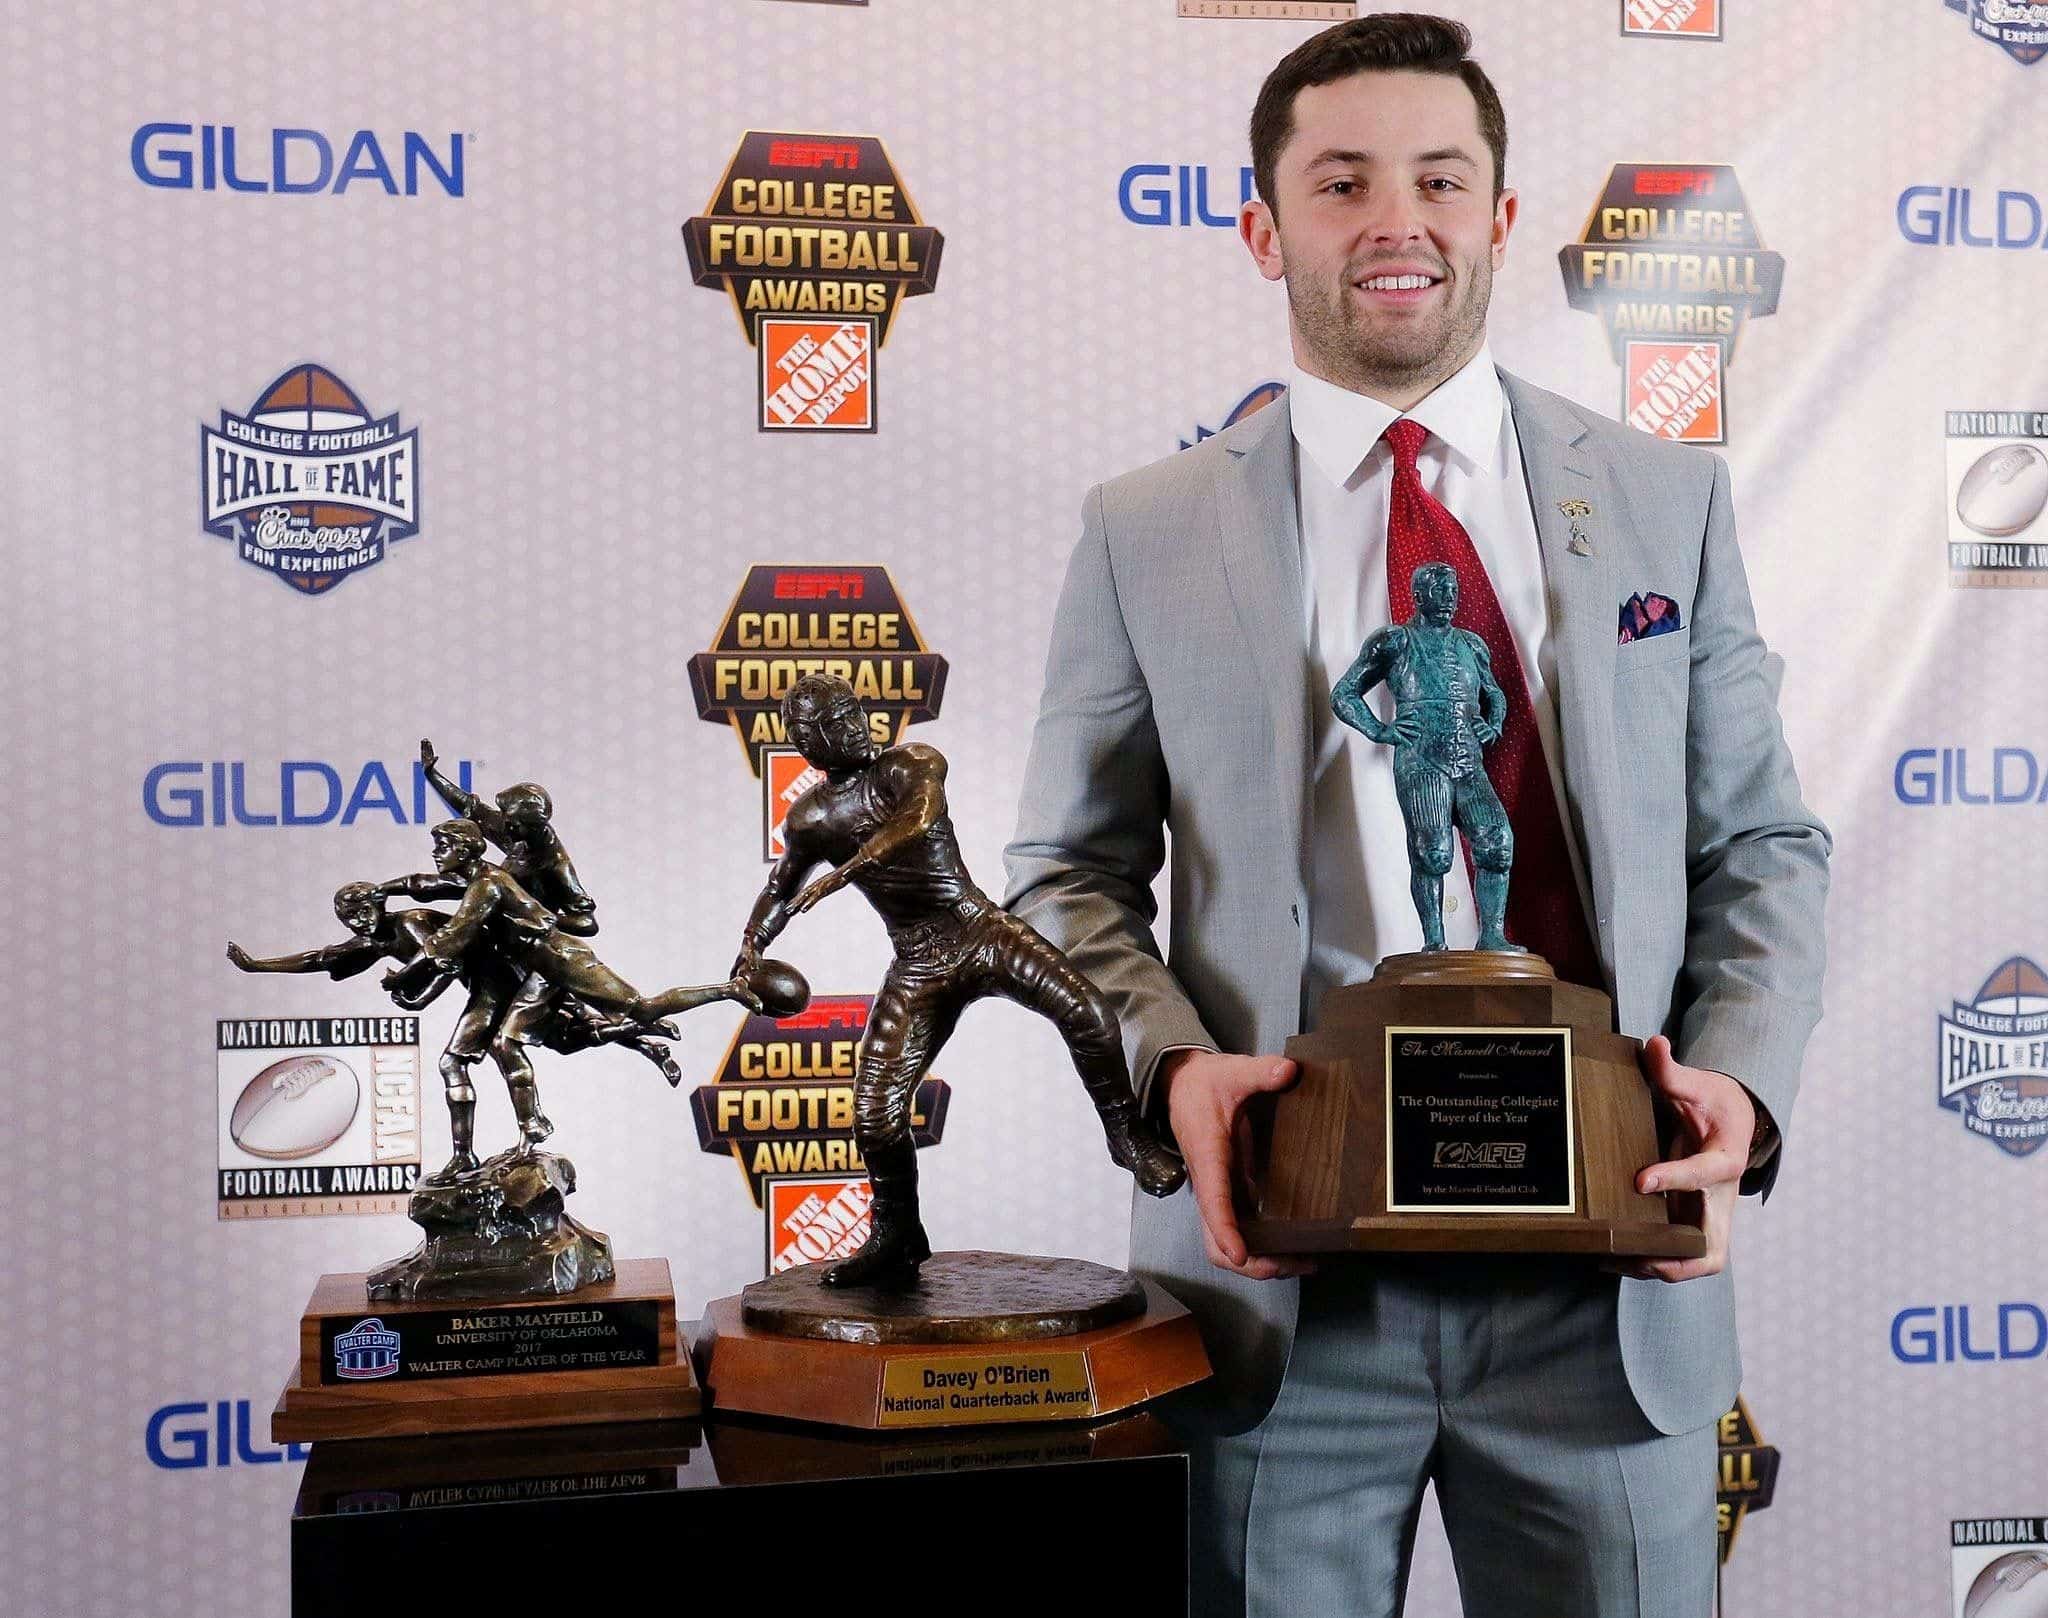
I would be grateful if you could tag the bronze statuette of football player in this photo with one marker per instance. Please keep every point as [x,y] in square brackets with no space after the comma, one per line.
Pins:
[879,820]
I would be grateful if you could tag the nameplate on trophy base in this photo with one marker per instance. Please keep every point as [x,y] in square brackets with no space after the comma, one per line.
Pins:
[1462,1101]
[979,1339]
[1479,1120]
[604,1352]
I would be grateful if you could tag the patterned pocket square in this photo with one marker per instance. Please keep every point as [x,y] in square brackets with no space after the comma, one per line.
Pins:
[1645,614]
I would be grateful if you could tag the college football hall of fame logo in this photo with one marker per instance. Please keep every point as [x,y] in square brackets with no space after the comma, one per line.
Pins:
[782,1106]
[817,242]
[310,484]
[2021,27]
[1671,19]
[1994,1058]
[788,620]
[1671,262]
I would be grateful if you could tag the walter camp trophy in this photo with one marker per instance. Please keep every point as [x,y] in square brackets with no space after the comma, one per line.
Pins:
[1460,1100]
[516,941]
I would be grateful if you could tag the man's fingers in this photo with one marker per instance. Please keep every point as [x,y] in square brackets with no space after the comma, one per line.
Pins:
[1206,1151]
[1718,1165]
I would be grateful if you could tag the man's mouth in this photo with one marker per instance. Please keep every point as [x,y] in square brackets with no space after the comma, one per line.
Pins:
[1405,286]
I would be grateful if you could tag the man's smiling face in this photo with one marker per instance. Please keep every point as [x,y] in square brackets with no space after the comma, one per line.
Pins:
[1387,231]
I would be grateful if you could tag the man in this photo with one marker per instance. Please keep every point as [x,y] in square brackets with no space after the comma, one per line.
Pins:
[1447,709]
[522,824]
[879,820]
[1563,1413]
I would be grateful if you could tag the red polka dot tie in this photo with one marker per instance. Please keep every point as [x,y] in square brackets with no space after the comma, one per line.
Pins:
[1544,912]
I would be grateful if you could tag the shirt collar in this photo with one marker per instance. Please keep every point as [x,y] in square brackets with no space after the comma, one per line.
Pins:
[1338,428]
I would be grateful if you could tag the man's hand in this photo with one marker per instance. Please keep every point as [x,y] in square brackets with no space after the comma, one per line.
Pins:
[1717,1118]
[1205,1099]
[239,956]
[428,757]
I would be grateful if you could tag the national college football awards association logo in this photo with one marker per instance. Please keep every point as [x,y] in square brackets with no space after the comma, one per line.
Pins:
[789,620]
[782,1106]
[310,485]
[1994,1058]
[318,1115]
[1997,489]
[1998,1566]
[1671,19]
[2020,26]
[817,242]
[1671,262]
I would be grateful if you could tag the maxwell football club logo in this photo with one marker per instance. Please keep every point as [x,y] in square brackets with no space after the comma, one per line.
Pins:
[1671,19]
[1746,1473]
[1993,1056]
[2020,27]
[1671,262]
[310,485]
[787,621]
[1250,405]
[816,240]
[781,1105]
[1997,490]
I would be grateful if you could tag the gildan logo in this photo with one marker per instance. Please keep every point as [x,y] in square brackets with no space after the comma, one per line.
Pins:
[1963,216]
[179,1437]
[294,162]
[1183,194]
[1938,777]
[1927,1334]
[296,792]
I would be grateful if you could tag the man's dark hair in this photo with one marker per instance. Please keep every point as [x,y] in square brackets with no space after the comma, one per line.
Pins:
[1385,42]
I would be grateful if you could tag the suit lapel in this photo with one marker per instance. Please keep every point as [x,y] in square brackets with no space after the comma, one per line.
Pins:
[1259,535]
[1558,467]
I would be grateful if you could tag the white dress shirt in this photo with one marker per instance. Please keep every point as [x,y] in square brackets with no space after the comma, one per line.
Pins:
[1343,471]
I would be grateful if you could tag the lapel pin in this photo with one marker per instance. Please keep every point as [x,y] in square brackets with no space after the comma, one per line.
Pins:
[1578,544]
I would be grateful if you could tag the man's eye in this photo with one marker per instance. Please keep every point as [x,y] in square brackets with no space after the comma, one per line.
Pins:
[1442,181]
[1341,188]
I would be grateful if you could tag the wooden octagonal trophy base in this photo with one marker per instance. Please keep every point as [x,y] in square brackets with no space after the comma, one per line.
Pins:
[605,1352]
[982,1338]
[1463,1101]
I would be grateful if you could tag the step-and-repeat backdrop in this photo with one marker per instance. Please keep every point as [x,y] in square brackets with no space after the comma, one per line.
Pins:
[553,381]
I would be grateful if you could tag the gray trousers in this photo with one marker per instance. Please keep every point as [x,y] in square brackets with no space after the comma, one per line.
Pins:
[1500,1381]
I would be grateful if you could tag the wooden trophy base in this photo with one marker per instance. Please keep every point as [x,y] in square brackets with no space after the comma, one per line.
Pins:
[605,1352]
[1561,1123]
[982,1338]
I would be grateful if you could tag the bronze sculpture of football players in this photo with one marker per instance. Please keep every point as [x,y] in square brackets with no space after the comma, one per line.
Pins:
[508,1009]
[879,819]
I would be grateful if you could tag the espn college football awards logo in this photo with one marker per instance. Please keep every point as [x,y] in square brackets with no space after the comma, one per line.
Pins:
[1671,261]
[1997,488]
[309,485]
[782,1106]
[787,621]
[1746,1473]
[318,1115]
[817,242]
[1994,1058]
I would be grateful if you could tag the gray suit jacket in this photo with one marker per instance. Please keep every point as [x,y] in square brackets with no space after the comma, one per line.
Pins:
[1178,698]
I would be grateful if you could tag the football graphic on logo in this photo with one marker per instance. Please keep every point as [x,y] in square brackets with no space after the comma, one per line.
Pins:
[313,398]
[2013,1586]
[2004,489]
[296,1107]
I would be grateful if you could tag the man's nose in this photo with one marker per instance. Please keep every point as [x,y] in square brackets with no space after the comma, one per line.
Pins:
[1392,215]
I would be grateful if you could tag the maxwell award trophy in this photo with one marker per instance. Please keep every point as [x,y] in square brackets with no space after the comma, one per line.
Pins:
[894,1335]
[510,1312]
[1460,1100]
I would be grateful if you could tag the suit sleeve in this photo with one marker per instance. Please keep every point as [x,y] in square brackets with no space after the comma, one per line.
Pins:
[1091,823]
[1756,856]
